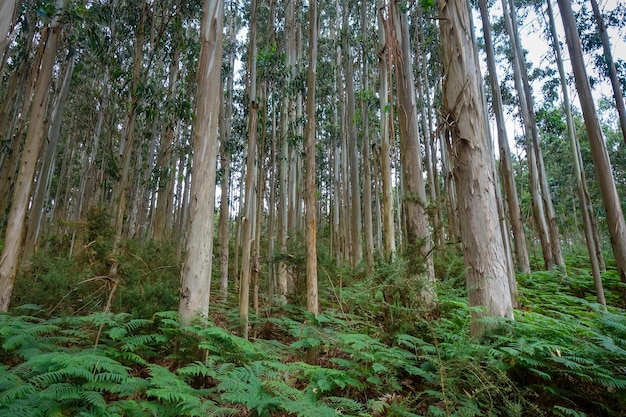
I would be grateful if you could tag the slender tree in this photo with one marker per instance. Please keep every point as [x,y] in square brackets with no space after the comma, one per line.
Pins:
[604,174]
[196,273]
[608,59]
[419,240]
[34,136]
[583,194]
[311,188]
[389,240]
[506,169]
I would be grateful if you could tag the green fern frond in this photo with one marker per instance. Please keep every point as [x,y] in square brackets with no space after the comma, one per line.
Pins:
[13,388]
[94,399]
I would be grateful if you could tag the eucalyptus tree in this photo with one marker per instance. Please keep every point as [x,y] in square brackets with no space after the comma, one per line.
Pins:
[248,220]
[225,149]
[196,274]
[419,240]
[356,221]
[8,10]
[545,217]
[310,167]
[583,195]
[463,109]
[384,63]
[365,146]
[16,103]
[508,179]
[13,237]
[610,199]
[608,61]
[49,151]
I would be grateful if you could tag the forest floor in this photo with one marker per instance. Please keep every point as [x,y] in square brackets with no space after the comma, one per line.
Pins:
[378,351]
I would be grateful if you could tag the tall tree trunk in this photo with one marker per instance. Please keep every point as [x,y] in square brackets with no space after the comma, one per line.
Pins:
[310,186]
[581,183]
[530,125]
[196,274]
[367,169]
[506,169]
[483,249]
[166,163]
[615,217]
[127,145]
[419,241]
[356,222]
[389,237]
[225,135]
[34,137]
[608,59]
[45,172]
[248,225]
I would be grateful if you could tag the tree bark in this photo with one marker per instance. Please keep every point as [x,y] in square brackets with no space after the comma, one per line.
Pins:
[7,17]
[581,184]
[389,236]
[599,154]
[196,274]
[42,189]
[483,249]
[508,179]
[367,169]
[530,124]
[34,137]
[356,222]
[248,225]
[419,240]
[310,186]
[608,59]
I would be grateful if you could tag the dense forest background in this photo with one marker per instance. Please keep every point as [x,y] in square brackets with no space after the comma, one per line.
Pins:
[276,207]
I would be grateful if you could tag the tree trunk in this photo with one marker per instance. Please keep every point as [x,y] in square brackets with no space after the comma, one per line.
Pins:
[34,137]
[581,183]
[196,273]
[310,187]
[389,237]
[419,241]
[225,135]
[367,170]
[608,59]
[508,179]
[248,225]
[356,223]
[485,259]
[127,144]
[44,178]
[530,125]
[7,17]
[599,154]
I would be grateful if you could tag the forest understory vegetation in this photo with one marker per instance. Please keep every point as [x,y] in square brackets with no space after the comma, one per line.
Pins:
[380,352]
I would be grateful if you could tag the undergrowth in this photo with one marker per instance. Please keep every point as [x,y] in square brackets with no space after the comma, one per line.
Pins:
[380,353]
